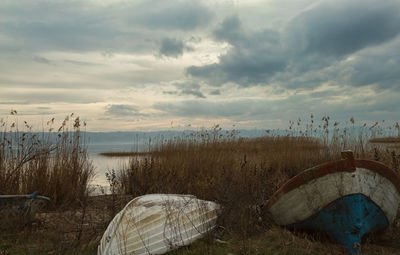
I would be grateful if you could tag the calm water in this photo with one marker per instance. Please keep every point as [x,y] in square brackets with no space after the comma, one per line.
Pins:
[103,164]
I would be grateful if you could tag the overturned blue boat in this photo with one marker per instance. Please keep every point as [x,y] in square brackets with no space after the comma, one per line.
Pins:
[346,199]
[21,207]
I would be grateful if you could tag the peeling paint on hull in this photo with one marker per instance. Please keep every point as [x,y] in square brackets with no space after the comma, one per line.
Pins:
[158,223]
[339,197]
[347,220]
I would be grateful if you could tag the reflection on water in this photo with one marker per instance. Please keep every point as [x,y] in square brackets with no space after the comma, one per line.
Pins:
[103,164]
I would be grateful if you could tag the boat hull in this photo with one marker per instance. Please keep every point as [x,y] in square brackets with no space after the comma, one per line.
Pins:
[304,201]
[21,208]
[347,220]
[339,198]
[158,223]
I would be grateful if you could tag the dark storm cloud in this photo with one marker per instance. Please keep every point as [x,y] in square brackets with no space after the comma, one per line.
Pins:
[173,47]
[340,27]
[86,26]
[215,92]
[230,30]
[56,25]
[192,92]
[310,49]
[173,14]
[41,60]
[253,59]
[380,66]
[188,88]
[334,57]
[123,110]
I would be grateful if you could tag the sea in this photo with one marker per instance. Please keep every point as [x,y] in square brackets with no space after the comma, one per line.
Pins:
[104,164]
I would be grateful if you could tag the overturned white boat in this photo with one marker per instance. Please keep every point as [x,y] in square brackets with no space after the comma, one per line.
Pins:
[158,223]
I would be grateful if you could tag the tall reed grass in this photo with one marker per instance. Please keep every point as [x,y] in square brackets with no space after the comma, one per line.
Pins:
[52,162]
[242,173]
[238,173]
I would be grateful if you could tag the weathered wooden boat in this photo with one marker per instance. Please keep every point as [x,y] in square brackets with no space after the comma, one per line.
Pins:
[21,207]
[346,199]
[158,223]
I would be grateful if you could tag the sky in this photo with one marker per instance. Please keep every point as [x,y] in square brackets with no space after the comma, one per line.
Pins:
[152,65]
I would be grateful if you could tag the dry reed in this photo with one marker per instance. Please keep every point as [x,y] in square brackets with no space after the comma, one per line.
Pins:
[241,174]
[53,163]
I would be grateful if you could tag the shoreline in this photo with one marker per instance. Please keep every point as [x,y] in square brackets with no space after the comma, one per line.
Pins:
[125,154]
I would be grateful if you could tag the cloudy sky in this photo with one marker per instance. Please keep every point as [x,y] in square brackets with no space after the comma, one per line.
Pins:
[156,64]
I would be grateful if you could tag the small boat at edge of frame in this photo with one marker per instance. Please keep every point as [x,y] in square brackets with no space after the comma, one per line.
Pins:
[20,207]
[347,199]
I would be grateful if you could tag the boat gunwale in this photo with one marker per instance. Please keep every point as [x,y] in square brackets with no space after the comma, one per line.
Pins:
[343,165]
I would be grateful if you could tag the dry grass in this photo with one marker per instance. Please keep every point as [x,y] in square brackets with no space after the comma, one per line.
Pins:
[240,174]
[65,229]
[385,140]
[55,164]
